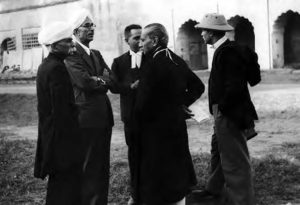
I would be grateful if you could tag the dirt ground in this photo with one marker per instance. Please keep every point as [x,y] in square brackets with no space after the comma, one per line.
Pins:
[278,106]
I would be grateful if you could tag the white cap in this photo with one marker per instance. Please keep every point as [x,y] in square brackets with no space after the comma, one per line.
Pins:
[80,17]
[54,32]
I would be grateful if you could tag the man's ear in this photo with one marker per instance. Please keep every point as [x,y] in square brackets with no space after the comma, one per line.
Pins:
[52,47]
[155,41]
[75,31]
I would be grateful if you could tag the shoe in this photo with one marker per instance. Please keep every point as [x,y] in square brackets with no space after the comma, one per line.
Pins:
[131,201]
[200,194]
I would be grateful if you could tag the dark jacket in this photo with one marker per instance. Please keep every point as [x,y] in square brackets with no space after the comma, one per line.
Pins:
[58,128]
[164,165]
[124,75]
[228,86]
[91,98]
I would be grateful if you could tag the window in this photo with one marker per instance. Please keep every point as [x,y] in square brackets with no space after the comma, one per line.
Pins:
[11,44]
[30,40]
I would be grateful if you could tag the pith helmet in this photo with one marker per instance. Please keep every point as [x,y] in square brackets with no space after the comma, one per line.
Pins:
[214,21]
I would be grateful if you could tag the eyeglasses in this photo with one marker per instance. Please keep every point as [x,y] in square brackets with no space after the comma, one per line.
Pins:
[88,25]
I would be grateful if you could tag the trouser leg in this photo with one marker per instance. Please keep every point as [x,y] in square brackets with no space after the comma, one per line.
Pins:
[96,166]
[215,181]
[64,188]
[235,162]
[131,158]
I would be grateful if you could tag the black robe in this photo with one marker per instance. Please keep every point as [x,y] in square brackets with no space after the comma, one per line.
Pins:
[58,145]
[165,169]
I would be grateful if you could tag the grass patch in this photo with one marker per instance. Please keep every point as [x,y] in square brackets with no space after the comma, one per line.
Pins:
[277,177]
[21,109]
[119,181]
[18,186]
[292,149]
[18,109]
[276,180]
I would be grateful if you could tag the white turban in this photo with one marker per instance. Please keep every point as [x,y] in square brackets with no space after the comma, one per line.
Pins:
[54,32]
[80,17]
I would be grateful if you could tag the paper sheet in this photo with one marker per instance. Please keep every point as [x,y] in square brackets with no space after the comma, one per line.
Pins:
[200,111]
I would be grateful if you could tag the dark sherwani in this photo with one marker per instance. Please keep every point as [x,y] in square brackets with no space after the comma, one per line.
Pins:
[124,76]
[58,147]
[96,121]
[165,168]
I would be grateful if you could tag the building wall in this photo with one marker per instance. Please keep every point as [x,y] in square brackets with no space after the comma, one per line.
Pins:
[9,6]
[111,16]
[109,38]
[278,47]
[191,47]
[256,11]
[28,21]
[286,40]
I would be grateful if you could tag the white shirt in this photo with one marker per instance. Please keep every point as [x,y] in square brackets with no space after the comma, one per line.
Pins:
[86,49]
[136,59]
[219,42]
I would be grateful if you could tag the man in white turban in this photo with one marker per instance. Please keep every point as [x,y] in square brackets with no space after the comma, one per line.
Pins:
[90,77]
[58,148]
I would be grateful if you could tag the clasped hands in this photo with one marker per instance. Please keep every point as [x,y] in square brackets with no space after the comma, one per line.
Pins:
[103,79]
[135,84]
[187,112]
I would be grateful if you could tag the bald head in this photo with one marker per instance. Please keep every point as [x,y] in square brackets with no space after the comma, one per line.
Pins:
[153,36]
[157,30]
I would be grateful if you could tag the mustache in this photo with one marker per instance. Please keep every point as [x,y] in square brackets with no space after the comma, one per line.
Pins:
[90,33]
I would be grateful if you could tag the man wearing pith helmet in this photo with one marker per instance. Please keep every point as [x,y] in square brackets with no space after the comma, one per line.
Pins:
[59,142]
[233,112]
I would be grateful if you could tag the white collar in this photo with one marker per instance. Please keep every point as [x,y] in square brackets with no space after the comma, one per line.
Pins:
[85,48]
[135,53]
[136,59]
[219,42]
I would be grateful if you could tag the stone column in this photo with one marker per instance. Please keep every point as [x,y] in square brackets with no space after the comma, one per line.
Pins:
[278,46]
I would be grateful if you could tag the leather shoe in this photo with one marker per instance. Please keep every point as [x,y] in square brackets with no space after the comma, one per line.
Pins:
[204,194]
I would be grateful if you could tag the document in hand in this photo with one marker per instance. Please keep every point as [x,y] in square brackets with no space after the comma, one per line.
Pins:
[200,111]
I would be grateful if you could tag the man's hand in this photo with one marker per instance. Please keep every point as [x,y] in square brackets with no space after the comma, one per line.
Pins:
[72,50]
[99,80]
[135,84]
[188,113]
[105,73]
[94,78]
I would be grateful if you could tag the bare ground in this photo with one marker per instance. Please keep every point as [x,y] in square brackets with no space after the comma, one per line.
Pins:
[278,107]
